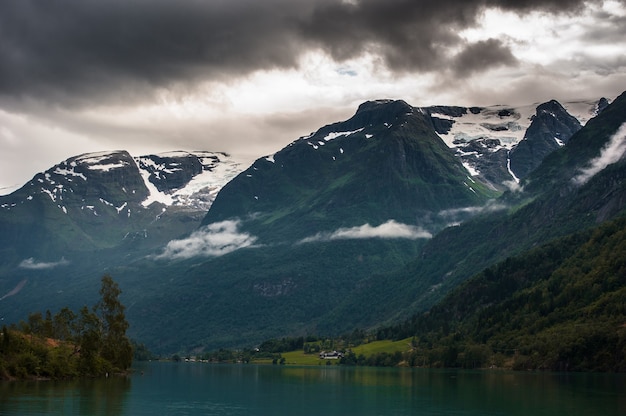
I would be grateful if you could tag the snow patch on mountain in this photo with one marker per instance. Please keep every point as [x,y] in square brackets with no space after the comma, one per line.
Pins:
[200,192]
[154,195]
[504,123]
[69,172]
[334,135]
[500,122]
[94,161]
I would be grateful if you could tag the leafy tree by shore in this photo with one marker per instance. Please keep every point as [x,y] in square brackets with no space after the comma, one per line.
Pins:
[65,345]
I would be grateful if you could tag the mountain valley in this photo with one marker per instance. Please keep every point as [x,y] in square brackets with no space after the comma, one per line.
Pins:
[359,224]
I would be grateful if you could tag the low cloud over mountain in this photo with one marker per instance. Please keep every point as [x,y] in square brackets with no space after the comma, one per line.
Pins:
[388,230]
[212,240]
[611,153]
[33,264]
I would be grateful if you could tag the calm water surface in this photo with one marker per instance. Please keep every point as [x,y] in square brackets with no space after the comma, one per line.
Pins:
[207,389]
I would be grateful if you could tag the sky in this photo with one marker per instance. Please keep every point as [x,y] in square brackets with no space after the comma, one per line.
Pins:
[248,77]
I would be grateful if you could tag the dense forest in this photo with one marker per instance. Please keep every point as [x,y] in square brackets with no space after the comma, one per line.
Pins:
[67,344]
[560,306]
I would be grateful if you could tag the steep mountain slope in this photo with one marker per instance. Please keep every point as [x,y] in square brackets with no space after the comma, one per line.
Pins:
[385,163]
[559,306]
[106,200]
[298,231]
[551,204]
[501,144]
[302,241]
[551,128]
[322,284]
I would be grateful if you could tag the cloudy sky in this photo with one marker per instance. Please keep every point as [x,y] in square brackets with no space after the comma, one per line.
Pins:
[250,76]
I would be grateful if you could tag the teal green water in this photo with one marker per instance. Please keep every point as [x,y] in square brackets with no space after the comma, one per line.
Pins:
[206,389]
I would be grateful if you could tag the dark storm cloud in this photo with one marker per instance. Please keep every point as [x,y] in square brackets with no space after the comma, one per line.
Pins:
[83,47]
[412,35]
[481,55]
[80,52]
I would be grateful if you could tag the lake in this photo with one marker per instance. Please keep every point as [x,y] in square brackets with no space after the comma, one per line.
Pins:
[242,389]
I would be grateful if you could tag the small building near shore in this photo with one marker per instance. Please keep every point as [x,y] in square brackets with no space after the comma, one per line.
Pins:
[330,355]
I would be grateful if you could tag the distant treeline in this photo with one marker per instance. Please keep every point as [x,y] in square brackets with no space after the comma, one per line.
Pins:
[91,342]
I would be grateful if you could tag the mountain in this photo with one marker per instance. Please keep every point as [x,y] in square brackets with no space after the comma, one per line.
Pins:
[110,199]
[497,144]
[553,201]
[335,279]
[292,236]
[363,222]
[385,163]
[556,307]
[422,166]
[551,128]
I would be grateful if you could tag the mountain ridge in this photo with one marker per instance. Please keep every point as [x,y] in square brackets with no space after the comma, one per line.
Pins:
[384,142]
[344,226]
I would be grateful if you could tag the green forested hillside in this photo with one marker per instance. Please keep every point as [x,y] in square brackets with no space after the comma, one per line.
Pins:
[360,225]
[549,205]
[386,162]
[561,306]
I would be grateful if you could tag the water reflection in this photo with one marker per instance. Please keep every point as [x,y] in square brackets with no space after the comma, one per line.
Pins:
[471,392]
[205,389]
[104,397]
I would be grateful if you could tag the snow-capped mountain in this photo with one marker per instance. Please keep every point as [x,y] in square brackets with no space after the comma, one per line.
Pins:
[346,227]
[187,179]
[116,179]
[107,200]
[508,124]
[485,138]
[384,163]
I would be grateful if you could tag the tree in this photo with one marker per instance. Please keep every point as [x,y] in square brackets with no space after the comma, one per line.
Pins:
[64,324]
[116,347]
[35,323]
[90,341]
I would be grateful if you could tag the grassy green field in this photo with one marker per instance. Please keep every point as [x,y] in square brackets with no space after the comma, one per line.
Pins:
[300,358]
[387,346]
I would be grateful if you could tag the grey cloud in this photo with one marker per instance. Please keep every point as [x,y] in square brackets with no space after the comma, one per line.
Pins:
[81,52]
[410,35]
[78,48]
[482,55]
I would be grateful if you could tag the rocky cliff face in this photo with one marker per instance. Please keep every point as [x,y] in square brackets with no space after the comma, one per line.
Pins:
[501,144]
[550,128]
